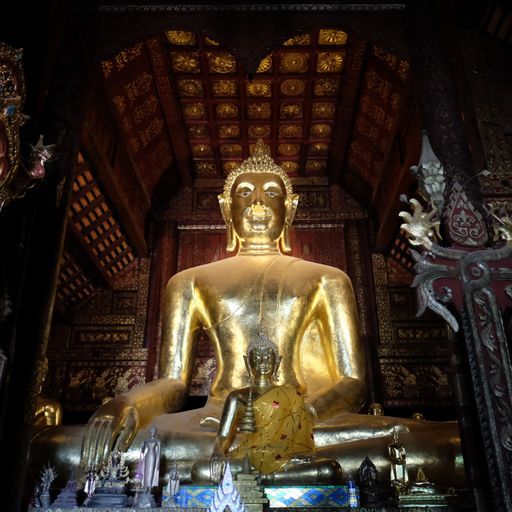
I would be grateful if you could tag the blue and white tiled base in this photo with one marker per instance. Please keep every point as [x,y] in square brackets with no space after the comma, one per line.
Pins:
[200,496]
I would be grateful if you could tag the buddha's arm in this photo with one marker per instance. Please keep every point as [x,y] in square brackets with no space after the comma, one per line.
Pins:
[227,426]
[336,312]
[225,435]
[116,422]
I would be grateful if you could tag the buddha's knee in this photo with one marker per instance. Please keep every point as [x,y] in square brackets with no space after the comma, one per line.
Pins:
[200,472]
[328,471]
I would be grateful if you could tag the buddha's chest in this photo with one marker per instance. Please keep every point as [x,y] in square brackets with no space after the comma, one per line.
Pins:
[246,293]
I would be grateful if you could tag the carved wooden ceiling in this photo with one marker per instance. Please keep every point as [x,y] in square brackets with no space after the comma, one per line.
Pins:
[327,103]
[182,96]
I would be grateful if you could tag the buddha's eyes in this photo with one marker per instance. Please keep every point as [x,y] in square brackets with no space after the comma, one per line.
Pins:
[272,193]
[245,192]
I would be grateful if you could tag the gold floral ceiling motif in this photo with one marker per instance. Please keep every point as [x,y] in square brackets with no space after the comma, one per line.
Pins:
[239,109]
[294,62]
[181,37]
[228,131]
[323,110]
[224,88]
[315,165]
[318,149]
[259,88]
[288,149]
[258,110]
[198,131]
[202,150]
[226,110]
[185,62]
[193,88]
[320,130]
[208,41]
[301,40]
[259,131]
[290,130]
[221,62]
[332,37]
[330,62]
[205,168]
[195,110]
[290,167]
[230,165]
[265,64]
[293,87]
[327,87]
[291,111]
[231,150]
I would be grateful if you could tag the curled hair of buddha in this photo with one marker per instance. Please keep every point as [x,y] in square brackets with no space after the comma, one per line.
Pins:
[260,161]
[262,342]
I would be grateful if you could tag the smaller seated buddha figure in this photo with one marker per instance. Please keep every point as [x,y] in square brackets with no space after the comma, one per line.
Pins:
[375,409]
[421,485]
[275,425]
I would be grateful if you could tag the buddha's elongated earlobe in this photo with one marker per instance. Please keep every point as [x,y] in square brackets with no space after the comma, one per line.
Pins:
[225,208]
[248,368]
[275,375]
[231,238]
[291,207]
[285,239]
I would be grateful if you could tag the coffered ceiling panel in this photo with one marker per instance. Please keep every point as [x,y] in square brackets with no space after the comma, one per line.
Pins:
[290,102]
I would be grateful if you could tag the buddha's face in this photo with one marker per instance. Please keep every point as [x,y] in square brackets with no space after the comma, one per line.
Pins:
[258,208]
[262,361]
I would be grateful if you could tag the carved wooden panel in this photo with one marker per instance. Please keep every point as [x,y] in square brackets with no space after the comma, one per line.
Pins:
[413,352]
[101,351]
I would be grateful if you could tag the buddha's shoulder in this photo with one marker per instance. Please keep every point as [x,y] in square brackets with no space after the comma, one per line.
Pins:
[238,266]
[319,270]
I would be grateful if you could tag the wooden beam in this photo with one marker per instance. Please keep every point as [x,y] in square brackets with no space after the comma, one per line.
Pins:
[347,108]
[178,140]
[130,223]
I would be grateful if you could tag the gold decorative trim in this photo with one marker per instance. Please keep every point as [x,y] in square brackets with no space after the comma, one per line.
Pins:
[380,278]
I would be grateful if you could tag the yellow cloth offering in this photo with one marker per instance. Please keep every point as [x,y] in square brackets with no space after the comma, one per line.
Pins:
[284,428]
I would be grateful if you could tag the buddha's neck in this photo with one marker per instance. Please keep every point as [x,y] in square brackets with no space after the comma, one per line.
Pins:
[262,383]
[247,248]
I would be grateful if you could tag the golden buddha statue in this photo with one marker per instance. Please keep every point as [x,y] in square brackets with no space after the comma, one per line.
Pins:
[276,427]
[48,412]
[307,308]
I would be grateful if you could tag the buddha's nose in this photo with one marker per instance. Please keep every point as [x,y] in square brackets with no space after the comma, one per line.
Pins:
[257,208]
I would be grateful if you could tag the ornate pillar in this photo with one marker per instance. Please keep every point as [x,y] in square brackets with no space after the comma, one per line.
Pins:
[44,213]
[468,274]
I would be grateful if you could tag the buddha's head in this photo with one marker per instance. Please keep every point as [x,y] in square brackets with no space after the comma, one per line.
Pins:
[262,357]
[258,204]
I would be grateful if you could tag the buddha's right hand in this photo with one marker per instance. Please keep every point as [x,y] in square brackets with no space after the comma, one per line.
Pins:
[217,466]
[112,426]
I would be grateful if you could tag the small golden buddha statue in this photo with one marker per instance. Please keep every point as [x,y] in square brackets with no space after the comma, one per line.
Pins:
[278,439]
[376,409]
[308,309]
[399,475]
[48,412]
